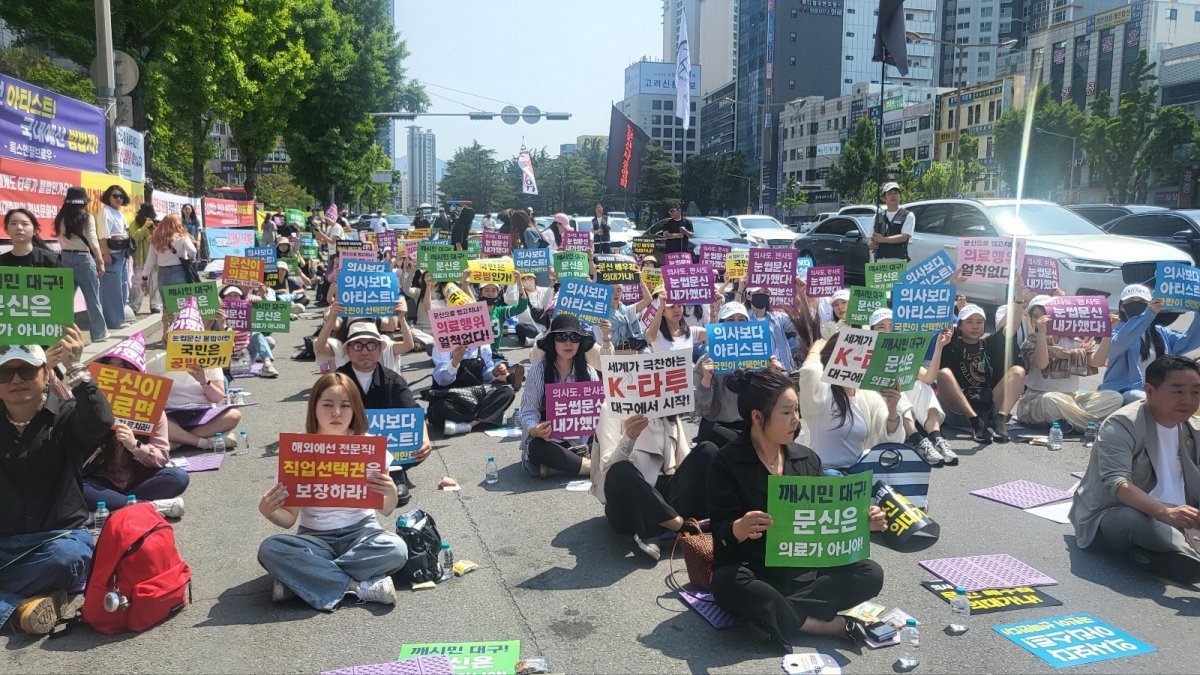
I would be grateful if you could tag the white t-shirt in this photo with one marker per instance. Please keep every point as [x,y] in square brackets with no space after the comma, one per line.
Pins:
[1169,488]
[114,223]
[839,446]
[331,517]
[185,390]
[910,223]
[662,344]
[336,231]
[364,379]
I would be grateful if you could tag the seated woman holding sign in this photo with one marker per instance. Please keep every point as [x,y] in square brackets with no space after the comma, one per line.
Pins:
[669,330]
[336,550]
[973,380]
[1138,339]
[565,348]
[781,601]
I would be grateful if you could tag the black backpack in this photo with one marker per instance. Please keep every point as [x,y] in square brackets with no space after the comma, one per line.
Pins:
[424,544]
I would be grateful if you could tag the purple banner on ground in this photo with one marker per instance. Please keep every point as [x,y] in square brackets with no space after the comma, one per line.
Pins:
[1079,316]
[775,270]
[825,280]
[689,284]
[38,125]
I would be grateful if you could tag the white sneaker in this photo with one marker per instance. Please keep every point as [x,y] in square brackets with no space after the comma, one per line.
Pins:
[279,592]
[929,453]
[649,548]
[380,590]
[271,341]
[169,508]
[947,452]
[455,428]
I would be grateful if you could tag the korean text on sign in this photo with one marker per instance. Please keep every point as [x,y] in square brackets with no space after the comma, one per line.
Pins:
[851,355]
[613,269]
[205,292]
[137,399]
[590,302]
[492,271]
[818,521]
[577,241]
[532,260]
[1040,273]
[368,293]
[270,316]
[320,470]
[1072,640]
[237,314]
[713,255]
[404,429]
[654,385]
[803,264]
[243,271]
[689,284]
[643,246]
[1178,286]
[825,280]
[427,248]
[922,309]
[735,264]
[466,325]
[895,361]
[573,408]
[863,303]
[266,254]
[202,349]
[775,270]
[387,241]
[989,259]
[935,269]
[36,304]
[885,274]
[571,264]
[471,658]
[1079,316]
[677,258]
[496,243]
[447,265]
[739,344]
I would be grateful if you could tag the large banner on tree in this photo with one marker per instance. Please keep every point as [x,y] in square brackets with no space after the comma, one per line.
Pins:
[41,126]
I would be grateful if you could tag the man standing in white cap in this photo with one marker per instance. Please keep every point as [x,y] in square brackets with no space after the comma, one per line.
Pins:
[894,226]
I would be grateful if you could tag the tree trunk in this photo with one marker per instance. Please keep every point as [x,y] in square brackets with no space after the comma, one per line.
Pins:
[198,129]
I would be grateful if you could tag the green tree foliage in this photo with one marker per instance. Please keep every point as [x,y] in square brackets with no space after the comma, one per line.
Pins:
[856,165]
[699,180]
[792,198]
[23,64]
[729,188]
[658,184]
[970,169]
[1049,166]
[278,191]
[715,185]
[473,173]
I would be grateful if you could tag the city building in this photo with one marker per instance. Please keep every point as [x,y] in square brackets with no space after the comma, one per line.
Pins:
[422,167]
[858,44]
[1179,77]
[593,140]
[719,113]
[981,107]
[650,103]
[567,148]
[228,167]
[977,23]
[1039,15]
[405,205]
[712,36]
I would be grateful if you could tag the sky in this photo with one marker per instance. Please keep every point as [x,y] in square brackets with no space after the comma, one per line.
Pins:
[557,55]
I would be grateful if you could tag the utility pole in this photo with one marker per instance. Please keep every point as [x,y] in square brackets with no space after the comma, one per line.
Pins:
[106,85]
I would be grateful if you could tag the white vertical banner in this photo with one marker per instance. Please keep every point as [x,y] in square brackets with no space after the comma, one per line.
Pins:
[131,154]
[528,180]
[683,75]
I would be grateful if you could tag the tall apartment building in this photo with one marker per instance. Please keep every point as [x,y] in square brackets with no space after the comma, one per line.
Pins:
[650,103]
[712,36]
[422,167]
[858,45]
[719,112]
[977,23]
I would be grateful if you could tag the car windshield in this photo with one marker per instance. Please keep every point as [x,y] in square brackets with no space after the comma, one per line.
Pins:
[619,225]
[758,223]
[399,220]
[1040,220]
[709,228]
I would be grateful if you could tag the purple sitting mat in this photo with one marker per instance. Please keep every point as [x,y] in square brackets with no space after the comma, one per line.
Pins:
[420,665]
[195,415]
[1023,494]
[981,572]
[1077,474]
[255,371]
[206,461]
[706,606]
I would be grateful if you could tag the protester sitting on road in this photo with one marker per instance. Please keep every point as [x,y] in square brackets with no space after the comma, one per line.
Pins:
[469,389]
[329,345]
[1139,494]
[973,381]
[289,289]
[44,549]
[669,330]
[716,403]
[624,324]
[564,349]
[1138,340]
[758,301]
[28,249]
[838,303]
[336,550]
[536,299]
[1055,365]
[782,602]
[501,311]
[254,343]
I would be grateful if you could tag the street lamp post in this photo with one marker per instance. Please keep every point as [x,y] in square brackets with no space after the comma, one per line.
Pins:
[1073,139]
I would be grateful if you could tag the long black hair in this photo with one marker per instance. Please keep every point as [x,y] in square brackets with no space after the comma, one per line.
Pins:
[758,390]
[71,219]
[37,239]
[841,400]
[579,364]
[683,325]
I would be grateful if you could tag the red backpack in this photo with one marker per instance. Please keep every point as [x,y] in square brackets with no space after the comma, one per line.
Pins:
[136,562]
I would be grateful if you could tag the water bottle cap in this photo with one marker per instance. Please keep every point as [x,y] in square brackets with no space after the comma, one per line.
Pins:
[1055,425]
[101,505]
[960,591]
[403,522]
[242,432]
[911,622]
[491,458]
[445,545]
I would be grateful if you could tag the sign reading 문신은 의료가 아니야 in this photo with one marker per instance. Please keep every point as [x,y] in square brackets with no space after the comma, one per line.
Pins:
[36,304]
[818,521]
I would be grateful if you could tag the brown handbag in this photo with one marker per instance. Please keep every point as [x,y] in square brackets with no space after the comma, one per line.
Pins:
[696,541]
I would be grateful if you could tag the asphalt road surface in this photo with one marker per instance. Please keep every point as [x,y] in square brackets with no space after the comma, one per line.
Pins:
[554,576]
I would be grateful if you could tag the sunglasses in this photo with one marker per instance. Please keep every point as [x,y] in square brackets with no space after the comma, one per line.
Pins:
[117,195]
[564,337]
[369,346]
[27,373]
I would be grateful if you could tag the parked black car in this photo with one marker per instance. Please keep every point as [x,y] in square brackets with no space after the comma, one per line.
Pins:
[839,240]
[1176,228]
[1100,214]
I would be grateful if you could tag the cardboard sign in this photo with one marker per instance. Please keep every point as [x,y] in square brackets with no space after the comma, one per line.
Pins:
[1072,640]
[739,344]
[1178,286]
[387,241]
[419,233]
[243,271]
[590,302]
[863,302]
[654,385]
[995,599]
[320,470]
[643,246]
[447,265]
[895,361]
[466,325]
[1079,316]
[576,241]
[851,355]
[736,263]
[922,309]
[677,258]
[571,265]
[36,304]
[573,408]
[237,314]
[270,316]
[492,270]
[825,280]
[613,270]
[1040,274]
[496,243]
[714,255]
[936,269]
[532,260]
[404,429]
[205,292]
[471,658]
[818,521]
[226,242]
[205,349]
[264,253]
[137,399]
[426,248]
[775,270]
[367,293]
[885,274]
[689,284]
[803,264]
[989,260]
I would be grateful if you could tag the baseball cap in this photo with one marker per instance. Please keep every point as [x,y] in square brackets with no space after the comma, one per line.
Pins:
[364,330]
[732,309]
[841,294]
[31,354]
[230,290]
[971,310]
[1137,291]
[890,185]
[881,314]
[1039,301]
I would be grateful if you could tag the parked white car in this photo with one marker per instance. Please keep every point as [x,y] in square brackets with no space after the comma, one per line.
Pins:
[765,231]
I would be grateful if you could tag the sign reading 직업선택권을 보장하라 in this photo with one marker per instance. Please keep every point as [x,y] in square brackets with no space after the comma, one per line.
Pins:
[655,385]
[713,255]
[1040,273]
[320,470]
[818,521]
[989,259]
[532,260]
[851,355]
[885,274]
[895,361]
[922,309]
[466,325]
[44,127]
[934,270]
[689,284]
[775,270]
[573,408]
[367,293]
[590,302]
[270,316]
[36,304]
[1079,316]
[137,399]
[1072,640]
[613,269]
[1178,286]
[825,280]
[571,265]
[175,297]
[202,349]
[577,241]
[404,429]
[737,345]
[471,658]
[863,302]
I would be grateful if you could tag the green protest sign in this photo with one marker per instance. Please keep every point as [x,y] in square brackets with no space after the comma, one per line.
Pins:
[425,248]
[471,658]
[885,274]
[818,521]
[895,361]
[36,304]
[176,295]
[447,265]
[864,301]
[474,248]
[294,217]
[571,264]
[270,317]
[292,263]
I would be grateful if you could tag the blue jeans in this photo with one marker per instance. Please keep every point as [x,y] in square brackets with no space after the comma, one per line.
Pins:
[259,348]
[168,276]
[41,562]
[321,565]
[167,483]
[114,289]
[85,280]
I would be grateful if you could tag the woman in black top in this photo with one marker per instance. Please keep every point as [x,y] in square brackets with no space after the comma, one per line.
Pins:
[28,249]
[601,232]
[783,601]
[462,228]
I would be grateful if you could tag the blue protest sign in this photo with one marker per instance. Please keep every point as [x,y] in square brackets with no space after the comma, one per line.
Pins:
[935,269]
[1177,285]
[590,302]
[265,253]
[739,344]
[228,241]
[803,263]
[367,293]
[1072,640]
[532,260]
[922,309]
[404,429]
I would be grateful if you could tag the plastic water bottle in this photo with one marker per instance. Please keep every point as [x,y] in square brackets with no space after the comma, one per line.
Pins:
[1089,436]
[960,612]
[910,645]
[447,562]
[401,524]
[243,443]
[241,364]
[218,443]
[491,474]
[130,500]
[1056,436]
[99,517]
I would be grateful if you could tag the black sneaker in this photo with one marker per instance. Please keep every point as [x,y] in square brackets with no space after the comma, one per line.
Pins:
[982,436]
[997,436]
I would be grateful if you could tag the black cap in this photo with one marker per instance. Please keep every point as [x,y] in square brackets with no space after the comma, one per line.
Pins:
[77,196]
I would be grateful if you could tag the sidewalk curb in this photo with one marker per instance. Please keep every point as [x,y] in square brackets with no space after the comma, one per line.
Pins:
[148,324]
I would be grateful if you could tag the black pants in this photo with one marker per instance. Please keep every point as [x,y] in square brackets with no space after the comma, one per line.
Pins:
[633,506]
[781,600]
[718,433]
[525,332]
[487,403]
[555,456]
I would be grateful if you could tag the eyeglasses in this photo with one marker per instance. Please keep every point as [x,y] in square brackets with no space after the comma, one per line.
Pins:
[26,372]
[117,195]
[369,346]
[564,337]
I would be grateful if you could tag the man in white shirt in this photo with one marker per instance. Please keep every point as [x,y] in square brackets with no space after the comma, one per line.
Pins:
[378,223]
[893,227]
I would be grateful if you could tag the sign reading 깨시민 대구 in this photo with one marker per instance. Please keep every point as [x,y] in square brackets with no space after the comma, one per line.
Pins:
[36,304]
[818,521]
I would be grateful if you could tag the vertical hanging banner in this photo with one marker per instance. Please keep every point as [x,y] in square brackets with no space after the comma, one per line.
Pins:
[626,144]
[528,179]
[683,75]
[131,154]
[41,126]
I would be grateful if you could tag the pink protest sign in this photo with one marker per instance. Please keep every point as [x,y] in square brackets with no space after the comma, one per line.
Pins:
[386,240]
[713,255]
[677,258]
[577,241]
[1040,273]
[689,284]
[496,244]
[237,314]
[988,259]
[466,325]
[631,293]
[648,315]
[131,350]
[573,408]
[410,249]
[825,280]
[1079,316]
[775,270]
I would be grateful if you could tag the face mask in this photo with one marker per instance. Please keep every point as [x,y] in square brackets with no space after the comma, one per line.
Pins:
[1132,309]
[491,301]
[760,301]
